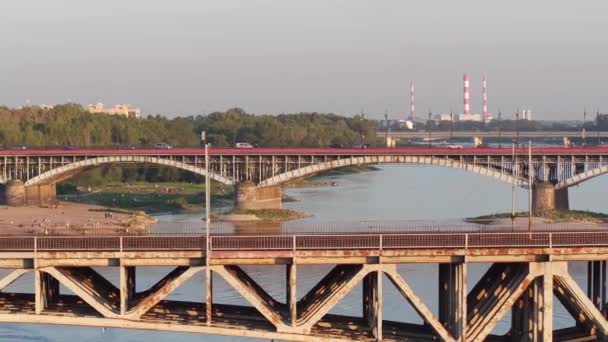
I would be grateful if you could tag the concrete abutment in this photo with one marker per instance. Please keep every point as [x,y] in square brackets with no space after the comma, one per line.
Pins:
[19,195]
[250,197]
[546,197]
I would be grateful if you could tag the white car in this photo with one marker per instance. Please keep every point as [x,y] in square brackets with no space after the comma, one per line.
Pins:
[454,146]
[243,145]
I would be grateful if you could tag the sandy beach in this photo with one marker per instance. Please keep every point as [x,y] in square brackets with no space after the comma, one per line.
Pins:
[65,218]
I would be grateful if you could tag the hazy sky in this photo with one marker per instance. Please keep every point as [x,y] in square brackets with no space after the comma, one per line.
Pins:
[191,57]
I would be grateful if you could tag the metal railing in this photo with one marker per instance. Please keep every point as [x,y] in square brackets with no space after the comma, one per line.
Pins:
[300,228]
[305,242]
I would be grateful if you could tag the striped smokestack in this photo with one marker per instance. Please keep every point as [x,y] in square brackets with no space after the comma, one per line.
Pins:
[467,108]
[412,106]
[485,98]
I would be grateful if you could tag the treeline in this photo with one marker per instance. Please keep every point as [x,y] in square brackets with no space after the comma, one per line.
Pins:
[71,124]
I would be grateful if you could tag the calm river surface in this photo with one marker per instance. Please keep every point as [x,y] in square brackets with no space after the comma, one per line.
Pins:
[393,193]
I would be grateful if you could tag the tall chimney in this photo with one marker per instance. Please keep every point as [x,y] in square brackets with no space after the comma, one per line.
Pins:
[485,98]
[467,109]
[412,106]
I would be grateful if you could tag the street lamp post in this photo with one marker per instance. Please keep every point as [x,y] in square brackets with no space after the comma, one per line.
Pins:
[451,127]
[386,128]
[430,129]
[584,132]
[530,184]
[517,128]
[208,275]
[499,129]
[597,126]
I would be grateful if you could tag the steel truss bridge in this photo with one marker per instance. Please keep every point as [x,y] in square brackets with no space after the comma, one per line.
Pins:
[562,167]
[527,270]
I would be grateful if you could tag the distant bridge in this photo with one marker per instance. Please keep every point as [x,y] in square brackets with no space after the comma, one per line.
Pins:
[259,170]
[493,134]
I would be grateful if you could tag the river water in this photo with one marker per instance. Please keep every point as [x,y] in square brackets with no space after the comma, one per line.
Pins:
[394,192]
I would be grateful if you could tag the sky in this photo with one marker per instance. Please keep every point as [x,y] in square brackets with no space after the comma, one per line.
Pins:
[184,57]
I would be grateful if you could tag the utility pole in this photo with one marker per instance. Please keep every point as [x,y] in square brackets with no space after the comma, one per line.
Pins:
[517,128]
[208,274]
[430,129]
[530,184]
[499,129]
[386,128]
[451,127]
[597,126]
[514,174]
[583,132]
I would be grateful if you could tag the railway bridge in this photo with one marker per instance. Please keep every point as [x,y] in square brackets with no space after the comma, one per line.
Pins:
[528,272]
[31,175]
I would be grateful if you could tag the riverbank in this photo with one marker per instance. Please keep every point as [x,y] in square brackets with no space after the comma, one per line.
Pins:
[267,215]
[72,218]
[553,216]
[152,198]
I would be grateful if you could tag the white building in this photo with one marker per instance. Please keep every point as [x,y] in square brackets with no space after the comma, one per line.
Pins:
[470,117]
[120,109]
[526,114]
[446,117]
[409,124]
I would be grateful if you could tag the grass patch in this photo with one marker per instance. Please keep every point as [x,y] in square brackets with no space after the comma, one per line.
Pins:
[555,215]
[271,214]
[149,197]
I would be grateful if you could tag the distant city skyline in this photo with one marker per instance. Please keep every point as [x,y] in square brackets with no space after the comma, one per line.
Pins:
[193,57]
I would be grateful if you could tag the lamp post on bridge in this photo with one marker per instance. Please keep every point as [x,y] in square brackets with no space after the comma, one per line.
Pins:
[430,129]
[499,129]
[583,131]
[451,127]
[208,275]
[597,126]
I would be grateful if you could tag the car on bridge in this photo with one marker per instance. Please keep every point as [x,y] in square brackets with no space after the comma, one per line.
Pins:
[243,145]
[163,146]
[19,147]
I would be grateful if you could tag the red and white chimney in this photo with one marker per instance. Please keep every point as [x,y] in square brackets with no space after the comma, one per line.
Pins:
[412,106]
[485,98]
[467,107]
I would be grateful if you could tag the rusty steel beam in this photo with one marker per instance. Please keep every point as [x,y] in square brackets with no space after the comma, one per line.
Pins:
[149,298]
[418,305]
[271,309]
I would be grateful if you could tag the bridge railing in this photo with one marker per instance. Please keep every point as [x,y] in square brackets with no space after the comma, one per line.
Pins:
[299,228]
[296,243]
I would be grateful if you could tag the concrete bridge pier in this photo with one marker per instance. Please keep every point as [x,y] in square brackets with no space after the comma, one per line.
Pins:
[19,195]
[249,196]
[546,197]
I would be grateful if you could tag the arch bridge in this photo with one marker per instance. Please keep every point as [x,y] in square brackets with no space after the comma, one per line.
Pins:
[259,172]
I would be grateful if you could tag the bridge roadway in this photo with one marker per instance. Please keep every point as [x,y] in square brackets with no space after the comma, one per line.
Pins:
[527,270]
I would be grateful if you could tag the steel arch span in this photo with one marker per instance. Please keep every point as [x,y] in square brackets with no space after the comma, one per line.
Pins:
[310,170]
[581,177]
[72,168]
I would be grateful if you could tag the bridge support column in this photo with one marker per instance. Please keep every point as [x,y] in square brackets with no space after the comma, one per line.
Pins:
[291,294]
[453,299]
[127,287]
[249,196]
[372,302]
[46,290]
[596,284]
[19,195]
[532,313]
[546,197]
